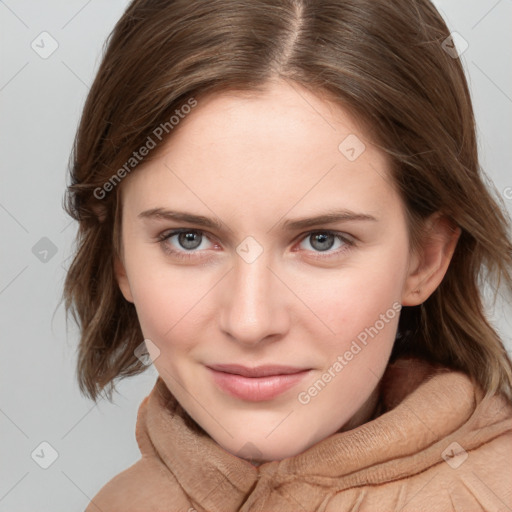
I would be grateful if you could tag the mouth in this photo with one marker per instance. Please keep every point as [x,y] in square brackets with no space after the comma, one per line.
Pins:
[258,383]
[257,371]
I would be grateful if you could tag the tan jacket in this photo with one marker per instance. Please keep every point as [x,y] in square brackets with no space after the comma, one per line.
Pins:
[435,445]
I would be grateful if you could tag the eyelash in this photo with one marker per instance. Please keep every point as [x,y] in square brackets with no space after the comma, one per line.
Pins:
[188,255]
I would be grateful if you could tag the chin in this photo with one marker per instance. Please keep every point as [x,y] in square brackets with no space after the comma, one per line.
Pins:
[260,447]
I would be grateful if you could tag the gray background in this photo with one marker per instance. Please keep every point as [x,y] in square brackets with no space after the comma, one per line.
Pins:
[41,101]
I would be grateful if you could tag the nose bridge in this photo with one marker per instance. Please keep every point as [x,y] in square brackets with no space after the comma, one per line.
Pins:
[251,310]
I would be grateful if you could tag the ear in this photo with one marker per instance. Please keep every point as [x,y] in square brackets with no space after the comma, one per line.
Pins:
[122,279]
[429,263]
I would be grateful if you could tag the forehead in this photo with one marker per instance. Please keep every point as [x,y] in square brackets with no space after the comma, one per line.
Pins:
[272,149]
[284,115]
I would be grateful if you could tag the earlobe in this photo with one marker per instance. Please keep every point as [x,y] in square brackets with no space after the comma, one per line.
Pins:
[122,279]
[430,261]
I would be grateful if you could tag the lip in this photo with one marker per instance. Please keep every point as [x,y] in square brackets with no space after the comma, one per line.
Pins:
[256,384]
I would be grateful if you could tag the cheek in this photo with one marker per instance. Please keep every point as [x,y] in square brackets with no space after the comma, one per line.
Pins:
[354,300]
[165,303]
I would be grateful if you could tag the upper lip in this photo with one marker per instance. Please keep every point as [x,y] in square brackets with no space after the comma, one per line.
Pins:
[257,371]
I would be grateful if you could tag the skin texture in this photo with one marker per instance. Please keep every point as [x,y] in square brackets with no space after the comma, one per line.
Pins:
[252,162]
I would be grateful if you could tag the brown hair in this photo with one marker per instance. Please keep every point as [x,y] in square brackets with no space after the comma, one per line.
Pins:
[382,60]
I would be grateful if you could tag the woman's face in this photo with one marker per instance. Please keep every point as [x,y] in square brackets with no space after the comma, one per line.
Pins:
[272,316]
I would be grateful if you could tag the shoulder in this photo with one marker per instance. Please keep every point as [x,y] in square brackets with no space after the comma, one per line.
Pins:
[474,473]
[484,470]
[145,486]
[467,470]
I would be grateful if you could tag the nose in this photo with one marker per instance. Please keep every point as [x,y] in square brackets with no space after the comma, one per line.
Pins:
[254,307]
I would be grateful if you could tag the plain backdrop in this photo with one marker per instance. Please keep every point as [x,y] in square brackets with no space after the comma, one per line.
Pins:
[41,97]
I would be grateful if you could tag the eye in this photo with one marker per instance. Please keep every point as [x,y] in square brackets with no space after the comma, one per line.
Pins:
[324,241]
[189,242]
[186,241]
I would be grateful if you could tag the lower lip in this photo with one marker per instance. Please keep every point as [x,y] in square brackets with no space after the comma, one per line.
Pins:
[256,389]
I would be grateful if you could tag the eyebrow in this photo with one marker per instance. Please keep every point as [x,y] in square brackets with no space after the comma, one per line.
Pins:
[329,217]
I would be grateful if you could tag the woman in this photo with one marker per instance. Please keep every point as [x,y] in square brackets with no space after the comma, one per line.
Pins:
[282,203]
